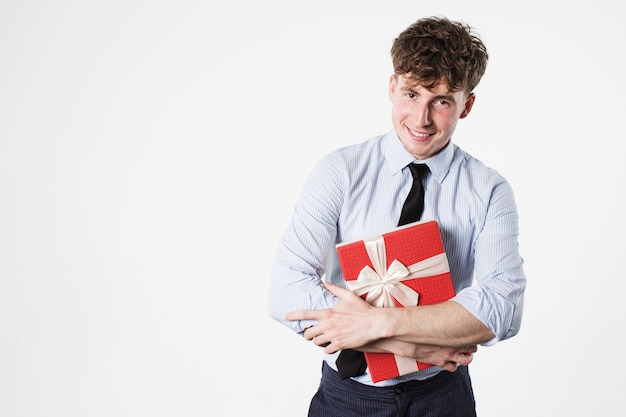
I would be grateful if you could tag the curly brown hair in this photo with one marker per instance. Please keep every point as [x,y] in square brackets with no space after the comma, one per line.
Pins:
[435,49]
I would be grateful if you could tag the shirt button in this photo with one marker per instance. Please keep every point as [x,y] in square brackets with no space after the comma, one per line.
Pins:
[398,391]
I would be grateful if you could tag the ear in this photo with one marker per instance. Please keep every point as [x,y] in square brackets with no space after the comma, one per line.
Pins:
[468,105]
[393,84]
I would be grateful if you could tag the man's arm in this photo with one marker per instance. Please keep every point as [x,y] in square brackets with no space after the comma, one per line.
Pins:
[445,324]
[355,324]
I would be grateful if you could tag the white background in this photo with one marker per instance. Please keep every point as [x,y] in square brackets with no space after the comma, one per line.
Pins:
[151,153]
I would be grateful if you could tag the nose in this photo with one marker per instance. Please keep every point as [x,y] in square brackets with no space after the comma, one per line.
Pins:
[422,114]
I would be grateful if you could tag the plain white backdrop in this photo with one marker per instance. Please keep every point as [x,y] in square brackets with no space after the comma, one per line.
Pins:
[151,153]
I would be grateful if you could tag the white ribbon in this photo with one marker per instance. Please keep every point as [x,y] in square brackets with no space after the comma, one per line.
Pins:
[383,284]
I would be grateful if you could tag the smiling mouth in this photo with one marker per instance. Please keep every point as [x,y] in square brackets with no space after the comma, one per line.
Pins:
[419,135]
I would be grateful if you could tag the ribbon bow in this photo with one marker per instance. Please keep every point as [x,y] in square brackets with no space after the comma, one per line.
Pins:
[382,285]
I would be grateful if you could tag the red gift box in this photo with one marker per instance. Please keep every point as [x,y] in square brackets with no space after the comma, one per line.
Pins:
[404,267]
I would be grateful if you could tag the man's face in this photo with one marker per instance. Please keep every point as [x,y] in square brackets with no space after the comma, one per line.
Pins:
[425,119]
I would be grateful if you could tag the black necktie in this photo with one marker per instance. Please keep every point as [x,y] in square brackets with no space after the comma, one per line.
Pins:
[352,362]
[414,203]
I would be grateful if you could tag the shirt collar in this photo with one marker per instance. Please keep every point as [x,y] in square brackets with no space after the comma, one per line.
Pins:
[397,157]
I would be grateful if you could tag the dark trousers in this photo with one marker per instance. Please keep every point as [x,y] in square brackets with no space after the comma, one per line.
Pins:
[447,394]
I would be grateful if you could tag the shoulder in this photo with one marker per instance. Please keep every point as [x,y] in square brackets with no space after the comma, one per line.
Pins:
[475,168]
[485,185]
[358,150]
[353,157]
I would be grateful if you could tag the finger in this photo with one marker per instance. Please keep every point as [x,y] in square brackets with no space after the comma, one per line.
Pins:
[337,290]
[313,333]
[320,340]
[309,333]
[465,359]
[302,315]
[329,348]
[450,366]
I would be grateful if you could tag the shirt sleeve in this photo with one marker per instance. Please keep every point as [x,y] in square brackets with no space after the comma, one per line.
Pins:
[497,297]
[298,268]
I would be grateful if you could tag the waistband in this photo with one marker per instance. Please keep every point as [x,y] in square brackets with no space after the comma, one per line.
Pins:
[412,388]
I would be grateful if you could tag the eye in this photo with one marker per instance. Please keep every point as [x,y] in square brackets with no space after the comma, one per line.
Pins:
[442,103]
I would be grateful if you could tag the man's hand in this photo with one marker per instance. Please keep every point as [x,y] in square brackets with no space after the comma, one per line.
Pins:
[355,324]
[351,323]
[446,357]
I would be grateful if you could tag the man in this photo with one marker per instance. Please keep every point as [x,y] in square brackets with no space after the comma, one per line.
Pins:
[358,191]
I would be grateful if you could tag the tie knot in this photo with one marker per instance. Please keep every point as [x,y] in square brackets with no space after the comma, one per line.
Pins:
[418,170]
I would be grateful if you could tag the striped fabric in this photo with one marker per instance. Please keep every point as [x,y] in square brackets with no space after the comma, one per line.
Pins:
[358,191]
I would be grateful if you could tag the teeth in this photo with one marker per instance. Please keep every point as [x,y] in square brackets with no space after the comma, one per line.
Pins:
[421,135]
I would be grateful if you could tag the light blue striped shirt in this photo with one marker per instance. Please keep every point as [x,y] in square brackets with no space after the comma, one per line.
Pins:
[358,191]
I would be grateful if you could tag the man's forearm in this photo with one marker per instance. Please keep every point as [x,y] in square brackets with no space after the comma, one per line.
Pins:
[446,324]
[446,357]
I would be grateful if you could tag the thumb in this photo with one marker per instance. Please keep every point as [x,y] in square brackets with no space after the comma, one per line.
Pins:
[337,290]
